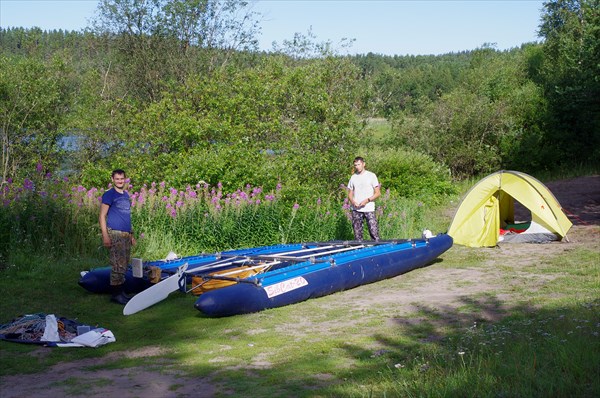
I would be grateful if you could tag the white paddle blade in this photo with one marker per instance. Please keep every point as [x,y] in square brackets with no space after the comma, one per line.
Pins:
[155,294]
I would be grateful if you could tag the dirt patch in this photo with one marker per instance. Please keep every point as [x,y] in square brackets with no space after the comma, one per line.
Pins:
[579,198]
[82,378]
[436,290]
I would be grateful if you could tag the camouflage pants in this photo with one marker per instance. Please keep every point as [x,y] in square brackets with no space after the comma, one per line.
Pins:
[120,253]
[357,224]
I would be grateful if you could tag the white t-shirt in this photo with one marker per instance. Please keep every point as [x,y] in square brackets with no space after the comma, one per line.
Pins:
[363,186]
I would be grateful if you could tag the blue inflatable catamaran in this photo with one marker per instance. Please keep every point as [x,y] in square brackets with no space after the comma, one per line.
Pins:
[250,280]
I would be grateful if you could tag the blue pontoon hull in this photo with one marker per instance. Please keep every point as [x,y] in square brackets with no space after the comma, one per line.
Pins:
[326,275]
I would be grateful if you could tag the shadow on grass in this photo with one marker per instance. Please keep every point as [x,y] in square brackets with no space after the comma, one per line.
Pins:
[483,349]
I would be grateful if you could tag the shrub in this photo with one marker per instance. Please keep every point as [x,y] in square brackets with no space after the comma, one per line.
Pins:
[410,174]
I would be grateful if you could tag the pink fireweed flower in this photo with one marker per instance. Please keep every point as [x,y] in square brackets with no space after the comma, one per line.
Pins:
[162,184]
[296,206]
[165,199]
[28,184]
[278,187]
[179,203]
[319,201]
[173,213]
[257,201]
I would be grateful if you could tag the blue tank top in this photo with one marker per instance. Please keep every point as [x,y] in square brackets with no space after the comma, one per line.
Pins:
[119,211]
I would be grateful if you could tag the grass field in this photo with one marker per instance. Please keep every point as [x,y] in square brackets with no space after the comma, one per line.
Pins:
[513,321]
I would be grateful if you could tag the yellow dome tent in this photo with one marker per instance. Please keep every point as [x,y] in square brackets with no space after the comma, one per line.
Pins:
[489,206]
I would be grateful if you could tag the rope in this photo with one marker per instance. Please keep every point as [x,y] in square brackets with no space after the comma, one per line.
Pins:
[30,328]
[575,216]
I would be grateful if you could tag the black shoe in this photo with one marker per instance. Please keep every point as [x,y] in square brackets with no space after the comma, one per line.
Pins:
[119,296]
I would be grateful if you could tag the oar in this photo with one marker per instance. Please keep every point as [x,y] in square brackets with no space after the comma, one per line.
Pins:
[162,289]
[156,293]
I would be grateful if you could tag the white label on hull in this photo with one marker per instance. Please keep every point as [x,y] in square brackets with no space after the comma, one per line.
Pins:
[285,286]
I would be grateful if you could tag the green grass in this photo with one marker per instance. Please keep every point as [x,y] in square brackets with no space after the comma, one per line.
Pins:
[325,347]
[543,341]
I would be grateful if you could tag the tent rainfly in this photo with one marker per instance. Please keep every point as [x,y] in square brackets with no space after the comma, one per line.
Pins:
[489,206]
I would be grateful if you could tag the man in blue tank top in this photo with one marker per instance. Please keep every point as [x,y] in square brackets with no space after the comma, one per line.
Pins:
[117,234]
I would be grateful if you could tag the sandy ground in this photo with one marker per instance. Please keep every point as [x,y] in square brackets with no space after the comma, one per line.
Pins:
[438,288]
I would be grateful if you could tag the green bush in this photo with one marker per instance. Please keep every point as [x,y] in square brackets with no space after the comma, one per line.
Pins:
[410,174]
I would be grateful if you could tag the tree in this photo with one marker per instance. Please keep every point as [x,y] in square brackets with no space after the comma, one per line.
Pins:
[33,101]
[477,127]
[571,71]
[261,125]
[158,42]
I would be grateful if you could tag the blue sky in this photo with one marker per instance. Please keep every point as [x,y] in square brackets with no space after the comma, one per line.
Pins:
[391,27]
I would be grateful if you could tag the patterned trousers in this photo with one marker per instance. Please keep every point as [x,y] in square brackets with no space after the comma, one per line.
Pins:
[357,224]
[120,253]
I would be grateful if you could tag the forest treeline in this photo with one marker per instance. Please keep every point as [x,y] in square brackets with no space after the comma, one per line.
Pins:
[178,91]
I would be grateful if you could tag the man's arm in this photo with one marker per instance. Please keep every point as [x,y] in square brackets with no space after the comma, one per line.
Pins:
[102,220]
[377,193]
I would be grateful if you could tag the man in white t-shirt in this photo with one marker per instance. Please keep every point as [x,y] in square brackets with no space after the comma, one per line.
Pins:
[363,189]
